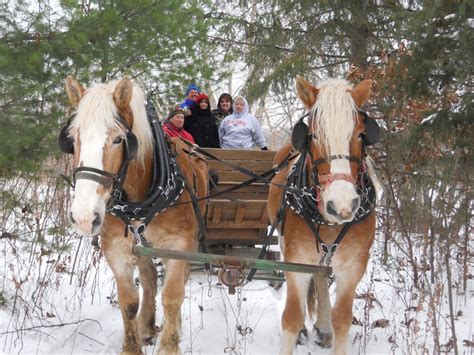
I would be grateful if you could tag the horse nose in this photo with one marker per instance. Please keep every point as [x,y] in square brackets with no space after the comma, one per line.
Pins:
[86,223]
[97,221]
[355,204]
[331,208]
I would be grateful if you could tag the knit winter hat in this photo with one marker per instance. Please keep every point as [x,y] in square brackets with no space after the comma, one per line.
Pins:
[192,87]
[176,110]
[202,96]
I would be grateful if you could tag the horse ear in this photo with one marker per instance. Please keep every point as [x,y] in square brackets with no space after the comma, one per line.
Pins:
[361,92]
[74,90]
[123,93]
[306,91]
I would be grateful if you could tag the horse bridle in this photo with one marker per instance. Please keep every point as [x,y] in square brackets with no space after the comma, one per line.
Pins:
[327,179]
[303,196]
[102,177]
[301,138]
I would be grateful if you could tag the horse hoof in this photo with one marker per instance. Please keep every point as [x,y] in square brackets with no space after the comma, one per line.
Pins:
[323,339]
[302,337]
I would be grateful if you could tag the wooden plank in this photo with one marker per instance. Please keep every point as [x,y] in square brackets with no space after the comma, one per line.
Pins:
[249,165]
[243,196]
[252,204]
[239,215]
[228,215]
[235,176]
[236,234]
[264,218]
[229,211]
[250,192]
[254,187]
[216,214]
[237,154]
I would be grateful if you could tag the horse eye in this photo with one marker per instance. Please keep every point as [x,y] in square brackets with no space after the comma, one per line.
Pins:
[118,140]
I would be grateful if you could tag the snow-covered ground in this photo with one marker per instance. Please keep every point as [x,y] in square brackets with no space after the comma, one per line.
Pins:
[60,312]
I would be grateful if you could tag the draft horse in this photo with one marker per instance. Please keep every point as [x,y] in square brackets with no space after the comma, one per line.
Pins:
[115,160]
[326,210]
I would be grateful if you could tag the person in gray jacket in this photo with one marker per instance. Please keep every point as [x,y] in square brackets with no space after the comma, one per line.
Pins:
[241,130]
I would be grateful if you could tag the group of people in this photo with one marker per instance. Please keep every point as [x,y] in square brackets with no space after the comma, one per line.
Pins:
[229,126]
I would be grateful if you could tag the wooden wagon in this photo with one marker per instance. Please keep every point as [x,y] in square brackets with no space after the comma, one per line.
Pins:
[237,222]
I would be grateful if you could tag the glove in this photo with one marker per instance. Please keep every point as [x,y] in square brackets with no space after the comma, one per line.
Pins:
[264,148]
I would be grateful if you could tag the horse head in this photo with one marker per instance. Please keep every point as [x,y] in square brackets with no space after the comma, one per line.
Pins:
[336,142]
[100,138]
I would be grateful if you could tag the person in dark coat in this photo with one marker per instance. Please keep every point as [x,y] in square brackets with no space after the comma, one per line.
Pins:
[224,108]
[202,123]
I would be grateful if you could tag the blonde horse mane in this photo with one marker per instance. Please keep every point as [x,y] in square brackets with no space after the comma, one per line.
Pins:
[97,111]
[333,116]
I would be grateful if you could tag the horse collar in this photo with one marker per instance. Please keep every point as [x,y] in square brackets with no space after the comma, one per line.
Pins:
[166,188]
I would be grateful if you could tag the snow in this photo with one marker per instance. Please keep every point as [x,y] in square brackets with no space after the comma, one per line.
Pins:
[429,119]
[82,316]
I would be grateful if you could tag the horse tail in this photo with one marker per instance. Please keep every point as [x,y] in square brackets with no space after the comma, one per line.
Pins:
[311,299]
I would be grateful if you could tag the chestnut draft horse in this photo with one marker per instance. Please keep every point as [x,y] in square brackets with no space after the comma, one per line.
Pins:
[332,171]
[113,145]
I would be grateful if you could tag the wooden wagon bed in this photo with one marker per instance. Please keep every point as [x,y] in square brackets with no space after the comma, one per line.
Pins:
[239,218]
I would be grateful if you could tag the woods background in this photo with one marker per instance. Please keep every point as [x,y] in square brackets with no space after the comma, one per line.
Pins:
[419,53]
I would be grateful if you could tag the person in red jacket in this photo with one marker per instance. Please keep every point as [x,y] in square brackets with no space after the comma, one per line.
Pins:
[173,125]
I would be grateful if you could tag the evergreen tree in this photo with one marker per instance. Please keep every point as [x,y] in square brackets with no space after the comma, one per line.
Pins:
[159,43]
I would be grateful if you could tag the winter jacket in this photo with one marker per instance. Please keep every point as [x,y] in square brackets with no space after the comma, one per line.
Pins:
[241,130]
[172,131]
[218,113]
[187,104]
[202,126]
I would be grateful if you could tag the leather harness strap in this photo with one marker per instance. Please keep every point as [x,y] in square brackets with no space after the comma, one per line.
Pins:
[327,179]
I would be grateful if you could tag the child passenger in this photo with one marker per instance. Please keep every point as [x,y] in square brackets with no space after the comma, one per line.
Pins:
[241,130]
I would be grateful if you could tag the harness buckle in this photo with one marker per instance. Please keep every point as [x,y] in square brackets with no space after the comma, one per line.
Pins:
[136,210]
[120,208]
[116,194]
[138,234]
[328,252]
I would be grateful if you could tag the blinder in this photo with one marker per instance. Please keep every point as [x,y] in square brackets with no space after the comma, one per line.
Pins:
[371,132]
[132,144]
[66,143]
[300,136]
